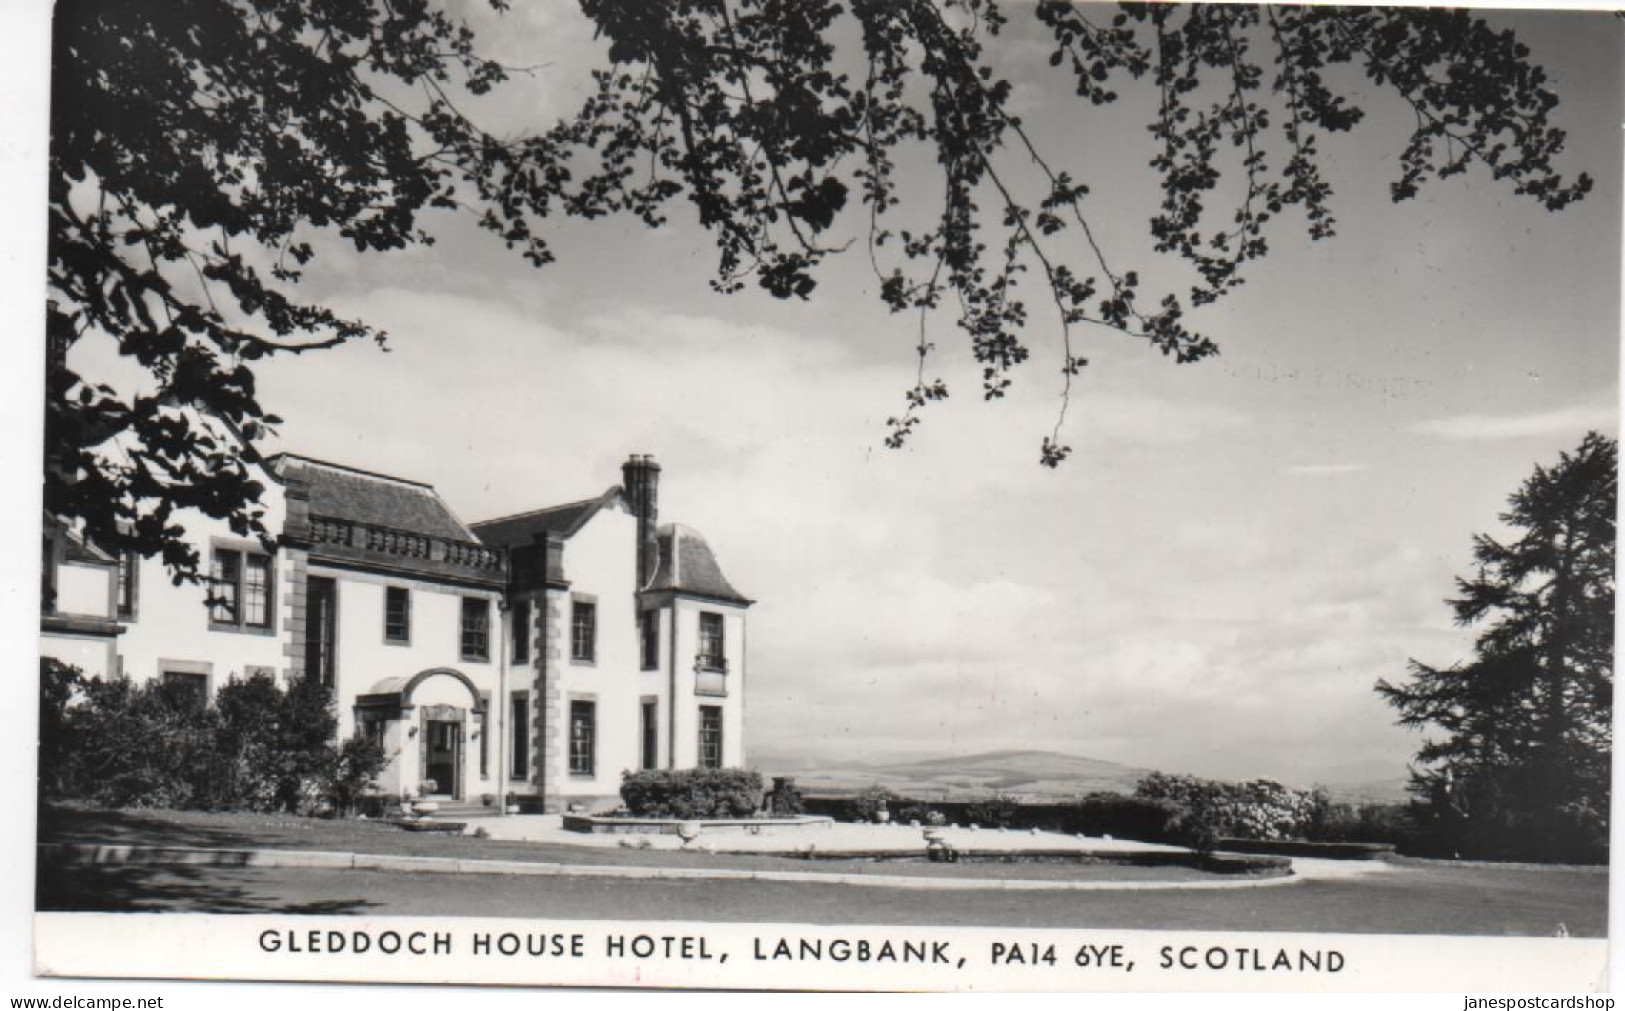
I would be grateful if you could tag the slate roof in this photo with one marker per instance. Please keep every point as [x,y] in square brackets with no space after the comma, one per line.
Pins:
[361,496]
[687,565]
[560,520]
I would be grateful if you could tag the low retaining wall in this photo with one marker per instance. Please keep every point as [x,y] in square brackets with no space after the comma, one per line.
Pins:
[670,826]
[1299,848]
[1214,863]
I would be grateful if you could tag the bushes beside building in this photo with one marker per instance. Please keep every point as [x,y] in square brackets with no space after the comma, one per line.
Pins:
[692,793]
[255,746]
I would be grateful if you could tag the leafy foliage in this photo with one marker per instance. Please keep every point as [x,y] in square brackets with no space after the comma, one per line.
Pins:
[1362,823]
[692,793]
[785,799]
[1522,767]
[201,147]
[924,814]
[1208,810]
[996,811]
[256,747]
[867,803]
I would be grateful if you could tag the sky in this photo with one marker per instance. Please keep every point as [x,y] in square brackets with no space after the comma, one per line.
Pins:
[1236,551]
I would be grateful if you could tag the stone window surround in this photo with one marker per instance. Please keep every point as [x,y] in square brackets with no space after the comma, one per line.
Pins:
[245,550]
[588,658]
[202,668]
[591,700]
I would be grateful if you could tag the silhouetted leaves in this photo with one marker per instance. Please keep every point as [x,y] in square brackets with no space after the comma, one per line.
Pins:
[198,147]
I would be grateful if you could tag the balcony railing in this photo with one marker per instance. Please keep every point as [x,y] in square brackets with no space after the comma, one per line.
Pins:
[711,661]
[403,545]
[710,682]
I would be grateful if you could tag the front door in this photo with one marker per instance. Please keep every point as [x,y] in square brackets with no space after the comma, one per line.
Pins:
[443,757]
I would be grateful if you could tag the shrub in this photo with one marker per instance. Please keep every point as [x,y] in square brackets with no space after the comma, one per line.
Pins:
[997,811]
[928,816]
[692,793]
[867,803]
[352,774]
[255,746]
[785,799]
[1362,823]
[1208,810]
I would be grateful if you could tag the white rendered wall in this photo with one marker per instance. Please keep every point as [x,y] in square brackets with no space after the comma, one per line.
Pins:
[85,589]
[687,743]
[600,561]
[364,659]
[93,655]
[172,622]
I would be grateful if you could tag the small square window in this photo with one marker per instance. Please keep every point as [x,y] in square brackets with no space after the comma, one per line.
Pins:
[186,690]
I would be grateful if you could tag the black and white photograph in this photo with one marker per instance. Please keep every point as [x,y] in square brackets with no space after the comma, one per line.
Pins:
[948,495]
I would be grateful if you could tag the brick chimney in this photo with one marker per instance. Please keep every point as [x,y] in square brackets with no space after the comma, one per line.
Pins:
[640,477]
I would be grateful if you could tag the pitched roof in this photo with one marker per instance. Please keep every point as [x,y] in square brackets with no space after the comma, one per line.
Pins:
[560,520]
[76,547]
[687,565]
[360,496]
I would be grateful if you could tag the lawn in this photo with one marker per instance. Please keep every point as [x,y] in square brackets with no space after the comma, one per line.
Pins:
[1411,897]
[68,823]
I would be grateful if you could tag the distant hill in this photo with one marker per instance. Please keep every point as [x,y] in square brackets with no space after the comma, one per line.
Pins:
[1029,774]
[1034,774]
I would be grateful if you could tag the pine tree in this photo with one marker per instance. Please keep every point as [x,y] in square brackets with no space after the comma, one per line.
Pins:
[1523,768]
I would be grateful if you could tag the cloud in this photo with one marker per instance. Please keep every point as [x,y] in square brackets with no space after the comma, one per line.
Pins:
[1327,469]
[1561,421]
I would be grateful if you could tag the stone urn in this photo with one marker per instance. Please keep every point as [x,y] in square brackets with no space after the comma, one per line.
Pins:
[688,831]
